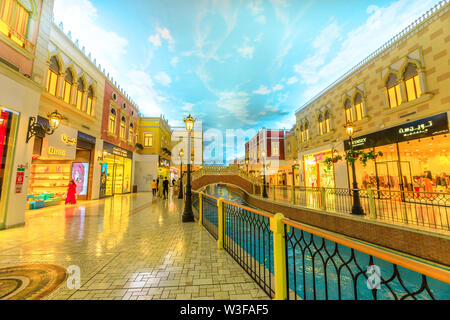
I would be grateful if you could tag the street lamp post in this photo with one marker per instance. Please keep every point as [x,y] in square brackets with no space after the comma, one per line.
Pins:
[357,208]
[188,215]
[180,192]
[264,175]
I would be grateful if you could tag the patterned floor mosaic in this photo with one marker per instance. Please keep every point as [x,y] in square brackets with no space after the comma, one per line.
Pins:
[129,247]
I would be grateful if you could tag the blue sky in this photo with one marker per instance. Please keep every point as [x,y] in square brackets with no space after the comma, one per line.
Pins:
[233,64]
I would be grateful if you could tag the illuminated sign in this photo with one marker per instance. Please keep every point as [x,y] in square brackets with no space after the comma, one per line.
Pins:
[56,152]
[67,140]
[120,152]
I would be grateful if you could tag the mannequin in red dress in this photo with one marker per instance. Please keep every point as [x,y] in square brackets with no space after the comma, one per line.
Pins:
[71,193]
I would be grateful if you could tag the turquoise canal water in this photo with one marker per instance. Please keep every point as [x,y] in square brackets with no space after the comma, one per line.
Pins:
[320,264]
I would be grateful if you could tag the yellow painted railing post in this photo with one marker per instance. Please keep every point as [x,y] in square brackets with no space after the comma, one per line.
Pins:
[279,256]
[261,189]
[372,207]
[200,209]
[323,198]
[220,227]
[274,193]
[293,195]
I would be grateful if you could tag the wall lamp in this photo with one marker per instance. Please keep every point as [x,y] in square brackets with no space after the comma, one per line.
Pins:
[35,128]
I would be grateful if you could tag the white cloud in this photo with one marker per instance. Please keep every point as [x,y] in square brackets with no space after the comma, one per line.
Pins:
[163,78]
[140,86]
[287,122]
[162,33]
[263,90]
[320,70]
[107,47]
[256,10]
[236,104]
[187,107]
[278,87]
[246,51]
[156,40]
[271,108]
[174,61]
[292,80]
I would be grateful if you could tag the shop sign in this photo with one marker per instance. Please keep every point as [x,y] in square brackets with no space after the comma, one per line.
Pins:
[120,152]
[60,145]
[164,163]
[20,178]
[424,128]
[112,149]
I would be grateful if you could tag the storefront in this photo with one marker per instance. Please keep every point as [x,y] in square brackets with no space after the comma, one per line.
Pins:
[416,156]
[58,158]
[316,172]
[116,170]
[164,168]
[8,128]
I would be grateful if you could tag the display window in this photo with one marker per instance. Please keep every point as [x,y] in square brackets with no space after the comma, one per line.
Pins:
[317,173]
[116,175]
[416,165]
[8,128]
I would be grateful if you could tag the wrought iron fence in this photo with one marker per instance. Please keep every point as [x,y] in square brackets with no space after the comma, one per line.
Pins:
[248,240]
[289,260]
[322,269]
[195,204]
[210,215]
[419,209]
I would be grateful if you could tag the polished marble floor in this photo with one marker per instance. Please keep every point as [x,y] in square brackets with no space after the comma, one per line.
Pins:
[129,247]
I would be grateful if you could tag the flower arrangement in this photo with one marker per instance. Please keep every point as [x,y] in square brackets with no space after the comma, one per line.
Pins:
[352,156]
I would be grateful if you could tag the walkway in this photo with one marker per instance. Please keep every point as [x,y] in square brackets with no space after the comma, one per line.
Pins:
[128,247]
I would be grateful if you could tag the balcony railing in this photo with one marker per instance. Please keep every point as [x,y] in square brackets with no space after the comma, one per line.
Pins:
[293,261]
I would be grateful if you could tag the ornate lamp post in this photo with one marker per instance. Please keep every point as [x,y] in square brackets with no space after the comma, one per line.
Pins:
[188,215]
[35,128]
[263,154]
[180,192]
[356,209]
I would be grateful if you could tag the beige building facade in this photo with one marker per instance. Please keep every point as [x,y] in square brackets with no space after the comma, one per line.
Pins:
[398,103]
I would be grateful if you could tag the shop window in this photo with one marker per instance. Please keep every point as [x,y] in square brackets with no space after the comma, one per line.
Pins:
[148,140]
[13,17]
[80,89]
[68,84]
[52,77]
[359,112]
[412,83]
[393,91]
[90,102]
[348,111]
[122,128]
[112,122]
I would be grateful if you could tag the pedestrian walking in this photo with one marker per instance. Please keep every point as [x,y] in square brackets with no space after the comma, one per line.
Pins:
[154,187]
[160,187]
[166,188]
[71,193]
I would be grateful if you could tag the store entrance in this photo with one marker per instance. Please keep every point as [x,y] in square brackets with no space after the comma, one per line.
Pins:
[394,175]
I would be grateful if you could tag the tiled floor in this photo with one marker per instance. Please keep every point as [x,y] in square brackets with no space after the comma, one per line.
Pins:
[128,247]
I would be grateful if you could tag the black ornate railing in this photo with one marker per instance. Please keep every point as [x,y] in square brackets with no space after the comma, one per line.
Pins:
[248,240]
[210,215]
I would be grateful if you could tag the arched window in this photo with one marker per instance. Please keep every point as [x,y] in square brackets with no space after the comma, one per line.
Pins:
[412,84]
[327,127]
[90,102]
[321,131]
[68,84]
[52,77]
[359,107]
[80,90]
[348,111]
[112,122]
[305,131]
[393,91]
[122,127]
[130,133]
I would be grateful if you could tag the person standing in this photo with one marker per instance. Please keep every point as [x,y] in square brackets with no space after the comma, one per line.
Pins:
[154,185]
[160,187]
[166,188]
[71,193]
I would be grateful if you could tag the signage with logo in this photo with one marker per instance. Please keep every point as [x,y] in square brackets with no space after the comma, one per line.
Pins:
[112,149]
[62,144]
[423,128]
[20,178]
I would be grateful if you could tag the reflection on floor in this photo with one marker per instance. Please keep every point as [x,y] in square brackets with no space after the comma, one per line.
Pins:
[126,247]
